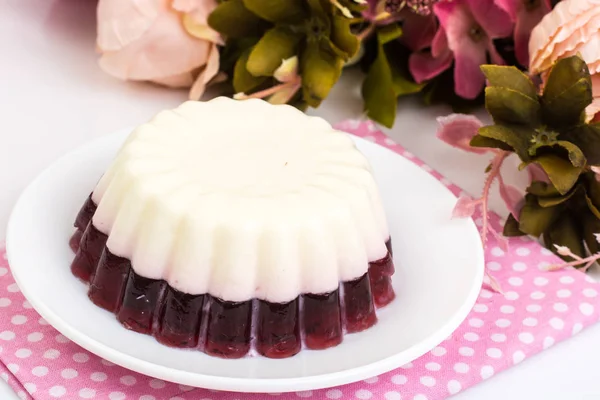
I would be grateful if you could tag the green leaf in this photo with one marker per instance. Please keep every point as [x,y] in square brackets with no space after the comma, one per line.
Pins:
[587,138]
[511,227]
[515,136]
[287,11]
[378,91]
[554,201]
[510,78]
[276,45]
[388,33]
[563,149]
[542,189]
[593,189]
[561,173]
[342,36]
[244,81]
[535,219]
[510,106]
[567,93]
[565,232]
[233,19]
[485,142]
[320,71]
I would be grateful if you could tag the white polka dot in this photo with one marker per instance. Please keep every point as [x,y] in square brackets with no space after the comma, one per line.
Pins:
[545,251]
[128,380]
[420,397]
[305,393]
[454,386]
[117,396]
[87,393]
[3,271]
[480,308]
[98,376]
[586,309]
[526,337]
[563,293]
[507,309]
[486,294]
[22,395]
[497,251]
[466,351]
[540,281]
[392,396]
[438,351]
[486,371]
[515,281]
[523,251]
[13,288]
[433,366]
[399,379]
[407,366]
[548,342]
[14,368]
[475,322]
[576,328]
[69,373]
[471,336]
[4,376]
[534,308]
[52,354]
[4,302]
[408,154]
[519,266]
[35,337]
[530,321]
[511,295]
[23,353]
[334,394]
[39,371]
[372,380]
[567,280]
[494,266]
[461,368]
[494,352]
[27,305]
[502,323]
[57,391]
[389,141]
[537,295]
[428,381]
[518,356]
[557,323]
[363,394]
[107,363]
[560,307]
[147,397]
[80,357]
[42,321]
[61,339]
[30,387]
[7,335]
[18,319]
[586,292]
[157,384]
[590,279]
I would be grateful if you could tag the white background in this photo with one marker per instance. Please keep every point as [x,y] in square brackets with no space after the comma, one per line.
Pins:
[53,98]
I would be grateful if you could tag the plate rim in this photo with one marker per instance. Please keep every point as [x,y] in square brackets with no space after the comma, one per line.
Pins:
[234,384]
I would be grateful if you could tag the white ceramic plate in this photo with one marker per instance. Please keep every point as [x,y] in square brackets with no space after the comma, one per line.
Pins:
[439,265]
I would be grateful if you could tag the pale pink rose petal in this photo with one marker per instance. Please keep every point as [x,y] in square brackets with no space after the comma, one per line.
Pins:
[513,198]
[501,240]
[495,21]
[424,66]
[492,282]
[458,129]
[164,50]
[418,31]
[208,73]
[120,22]
[464,208]
[588,50]
[184,80]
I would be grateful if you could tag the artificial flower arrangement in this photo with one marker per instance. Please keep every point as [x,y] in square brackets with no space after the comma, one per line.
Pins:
[540,60]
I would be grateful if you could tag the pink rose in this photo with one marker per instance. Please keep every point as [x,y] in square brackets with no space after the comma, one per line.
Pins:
[163,41]
[573,27]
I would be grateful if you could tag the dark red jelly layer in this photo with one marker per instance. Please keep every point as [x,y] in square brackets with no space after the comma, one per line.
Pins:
[140,302]
[278,331]
[380,273]
[85,214]
[180,319]
[88,255]
[228,330]
[75,240]
[322,320]
[388,245]
[108,284]
[359,310]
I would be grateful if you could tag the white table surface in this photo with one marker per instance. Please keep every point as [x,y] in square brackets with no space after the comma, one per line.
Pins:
[53,98]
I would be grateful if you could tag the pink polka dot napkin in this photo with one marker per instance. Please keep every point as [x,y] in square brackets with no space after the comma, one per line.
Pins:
[538,309]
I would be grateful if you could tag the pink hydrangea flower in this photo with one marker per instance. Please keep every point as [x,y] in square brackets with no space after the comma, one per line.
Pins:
[466,34]
[526,14]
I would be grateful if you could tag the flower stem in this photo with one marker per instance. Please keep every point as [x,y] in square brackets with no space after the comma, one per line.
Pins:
[493,174]
[365,32]
[267,92]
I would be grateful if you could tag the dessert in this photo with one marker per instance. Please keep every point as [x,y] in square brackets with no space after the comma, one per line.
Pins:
[231,226]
